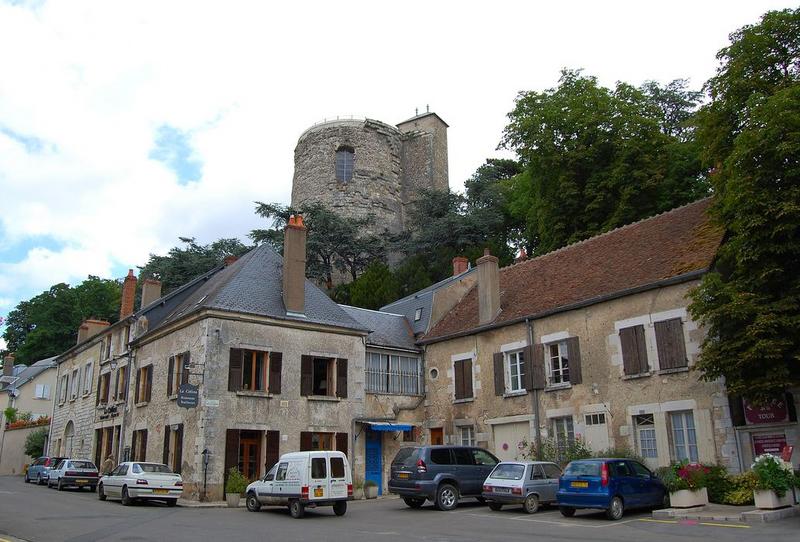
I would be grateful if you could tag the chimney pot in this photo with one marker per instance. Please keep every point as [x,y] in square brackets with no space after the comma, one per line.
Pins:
[128,295]
[488,288]
[151,291]
[294,265]
[460,265]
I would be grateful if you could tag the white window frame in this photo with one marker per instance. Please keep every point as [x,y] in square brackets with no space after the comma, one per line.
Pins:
[646,444]
[42,391]
[515,384]
[63,389]
[393,374]
[467,435]
[76,380]
[566,432]
[87,378]
[563,353]
[688,448]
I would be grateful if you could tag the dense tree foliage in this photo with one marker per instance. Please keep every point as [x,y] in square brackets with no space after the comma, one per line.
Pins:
[47,324]
[34,443]
[750,133]
[595,158]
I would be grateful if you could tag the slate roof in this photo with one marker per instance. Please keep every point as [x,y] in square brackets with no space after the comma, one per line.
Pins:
[31,372]
[253,285]
[386,330]
[423,300]
[681,243]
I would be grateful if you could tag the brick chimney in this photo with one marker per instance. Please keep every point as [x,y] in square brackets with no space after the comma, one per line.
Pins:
[488,288]
[460,265]
[151,290]
[128,295]
[8,365]
[294,266]
[230,259]
[90,328]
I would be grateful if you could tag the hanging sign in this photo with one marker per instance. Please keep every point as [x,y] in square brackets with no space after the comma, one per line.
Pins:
[774,412]
[769,444]
[188,396]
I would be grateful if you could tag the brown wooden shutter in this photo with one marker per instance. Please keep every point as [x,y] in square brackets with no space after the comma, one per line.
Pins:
[275,370]
[574,353]
[631,352]
[134,439]
[458,374]
[499,373]
[527,368]
[107,387]
[235,372]
[231,452]
[305,441]
[273,449]
[185,368]
[148,391]
[468,379]
[341,442]
[670,344]
[306,375]
[144,445]
[136,394]
[170,369]
[341,378]
[99,385]
[179,449]
[166,445]
[116,383]
[538,378]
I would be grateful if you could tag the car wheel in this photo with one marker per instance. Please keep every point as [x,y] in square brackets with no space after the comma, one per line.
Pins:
[446,497]
[126,499]
[495,506]
[340,507]
[296,509]
[531,504]
[665,500]
[39,480]
[27,480]
[616,509]
[566,511]
[100,493]
[60,485]
[171,502]
[252,503]
[413,502]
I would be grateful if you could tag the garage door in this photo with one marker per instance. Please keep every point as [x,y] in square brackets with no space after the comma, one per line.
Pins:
[507,437]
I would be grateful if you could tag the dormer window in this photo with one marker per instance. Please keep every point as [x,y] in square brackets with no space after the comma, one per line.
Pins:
[418,314]
[344,164]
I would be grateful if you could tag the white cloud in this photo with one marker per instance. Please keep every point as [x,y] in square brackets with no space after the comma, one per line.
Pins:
[95,80]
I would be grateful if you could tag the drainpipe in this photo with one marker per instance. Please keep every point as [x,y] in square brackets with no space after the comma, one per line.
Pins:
[535,398]
[131,368]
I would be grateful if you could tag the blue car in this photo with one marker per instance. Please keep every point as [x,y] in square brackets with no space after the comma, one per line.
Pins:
[39,470]
[613,485]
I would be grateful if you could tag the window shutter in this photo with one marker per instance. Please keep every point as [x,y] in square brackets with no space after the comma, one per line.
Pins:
[305,441]
[166,445]
[670,344]
[179,449]
[468,379]
[458,373]
[536,367]
[125,382]
[231,452]
[273,449]
[185,368]
[144,445]
[306,375]
[134,439]
[341,442]
[107,387]
[136,395]
[499,373]
[99,385]
[171,369]
[341,378]
[275,369]
[149,390]
[574,353]
[116,383]
[235,372]
[630,349]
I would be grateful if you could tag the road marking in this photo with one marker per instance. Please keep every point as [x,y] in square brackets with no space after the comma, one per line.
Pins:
[694,522]
[561,523]
[660,520]
[732,525]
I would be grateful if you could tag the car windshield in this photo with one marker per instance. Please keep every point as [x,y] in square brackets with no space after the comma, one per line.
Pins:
[153,467]
[83,465]
[508,471]
[406,457]
[583,468]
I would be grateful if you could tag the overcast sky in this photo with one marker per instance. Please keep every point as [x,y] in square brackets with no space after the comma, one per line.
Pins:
[124,125]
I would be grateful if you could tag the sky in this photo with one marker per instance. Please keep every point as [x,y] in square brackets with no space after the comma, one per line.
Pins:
[125,125]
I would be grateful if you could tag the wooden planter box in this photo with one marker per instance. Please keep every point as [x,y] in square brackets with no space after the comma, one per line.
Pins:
[687,498]
[768,500]
[232,499]
[371,492]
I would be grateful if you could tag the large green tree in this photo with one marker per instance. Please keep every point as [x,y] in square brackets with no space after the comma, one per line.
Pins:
[47,324]
[750,131]
[595,158]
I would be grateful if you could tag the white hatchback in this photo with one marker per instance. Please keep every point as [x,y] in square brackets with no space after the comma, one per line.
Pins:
[132,481]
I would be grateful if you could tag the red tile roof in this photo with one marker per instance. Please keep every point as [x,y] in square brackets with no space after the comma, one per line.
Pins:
[644,253]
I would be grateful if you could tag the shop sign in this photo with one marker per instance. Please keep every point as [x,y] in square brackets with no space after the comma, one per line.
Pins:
[188,396]
[774,412]
[769,444]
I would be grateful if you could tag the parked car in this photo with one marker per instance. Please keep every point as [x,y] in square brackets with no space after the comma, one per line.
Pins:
[303,480]
[132,481]
[529,483]
[442,474]
[40,468]
[72,473]
[613,485]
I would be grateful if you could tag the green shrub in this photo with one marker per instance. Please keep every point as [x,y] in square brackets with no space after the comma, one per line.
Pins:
[771,473]
[740,489]
[370,483]
[236,483]
[718,483]
[551,451]
[25,416]
[685,475]
[34,443]
[10,414]
[620,452]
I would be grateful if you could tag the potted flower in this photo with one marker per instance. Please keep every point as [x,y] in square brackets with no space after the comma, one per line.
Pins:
[686,483]
[234,487]
[358,489]
[371,489]
[774,482]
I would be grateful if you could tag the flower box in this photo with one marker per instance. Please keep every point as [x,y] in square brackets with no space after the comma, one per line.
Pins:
[688,498]
[769,500]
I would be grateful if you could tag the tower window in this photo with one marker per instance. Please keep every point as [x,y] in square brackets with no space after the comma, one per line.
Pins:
[344,164]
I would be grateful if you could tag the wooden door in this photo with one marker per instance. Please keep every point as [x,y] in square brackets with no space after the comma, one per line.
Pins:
[250,455]
[437,436]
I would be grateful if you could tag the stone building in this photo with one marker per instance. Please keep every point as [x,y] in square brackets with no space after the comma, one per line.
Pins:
[362,167]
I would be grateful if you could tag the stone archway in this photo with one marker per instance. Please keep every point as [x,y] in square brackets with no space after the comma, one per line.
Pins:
[69,435]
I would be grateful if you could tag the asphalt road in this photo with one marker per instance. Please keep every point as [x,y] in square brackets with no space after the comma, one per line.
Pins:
[30,512]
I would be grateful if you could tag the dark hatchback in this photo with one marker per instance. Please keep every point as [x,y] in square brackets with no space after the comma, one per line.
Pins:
[613,485]
[442,474]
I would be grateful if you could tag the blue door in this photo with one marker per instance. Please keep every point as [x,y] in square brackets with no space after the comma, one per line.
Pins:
[373,463]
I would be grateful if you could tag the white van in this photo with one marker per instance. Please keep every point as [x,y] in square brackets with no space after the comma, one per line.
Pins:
[303,480]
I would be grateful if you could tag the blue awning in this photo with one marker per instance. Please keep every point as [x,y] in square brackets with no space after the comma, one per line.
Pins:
[388,426]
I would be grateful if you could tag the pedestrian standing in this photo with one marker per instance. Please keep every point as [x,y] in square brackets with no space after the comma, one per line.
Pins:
[108,465]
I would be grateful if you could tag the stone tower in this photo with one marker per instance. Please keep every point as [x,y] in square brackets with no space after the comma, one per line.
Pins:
[362,167]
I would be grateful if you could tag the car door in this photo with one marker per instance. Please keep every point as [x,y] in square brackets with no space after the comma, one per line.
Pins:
[466,472]
[265,489]
[279,487]
[650,487]
[113,485]
[484,464]
[551,474]
[626,483]
[319,483]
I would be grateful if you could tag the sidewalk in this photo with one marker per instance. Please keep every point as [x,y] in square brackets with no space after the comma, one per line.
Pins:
[723,513]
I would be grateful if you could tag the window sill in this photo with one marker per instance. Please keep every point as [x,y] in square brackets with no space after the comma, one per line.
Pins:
[521,393]
[323,398]
[394,394]
[142,404]
[248,393]
[87,394]
[173,397]
[640,375]
[557,387]
[674,370]
[467,400]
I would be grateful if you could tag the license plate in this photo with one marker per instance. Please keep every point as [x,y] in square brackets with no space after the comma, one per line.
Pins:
[502,490]
[579,484]
[160,491]
[402,475]
[318,492]
[81,481]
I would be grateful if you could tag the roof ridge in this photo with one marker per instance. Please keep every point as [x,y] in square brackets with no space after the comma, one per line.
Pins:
[432,287]
[344,306]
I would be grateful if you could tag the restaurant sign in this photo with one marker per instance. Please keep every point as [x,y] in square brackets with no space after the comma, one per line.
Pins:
[769,444]
[775,412]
